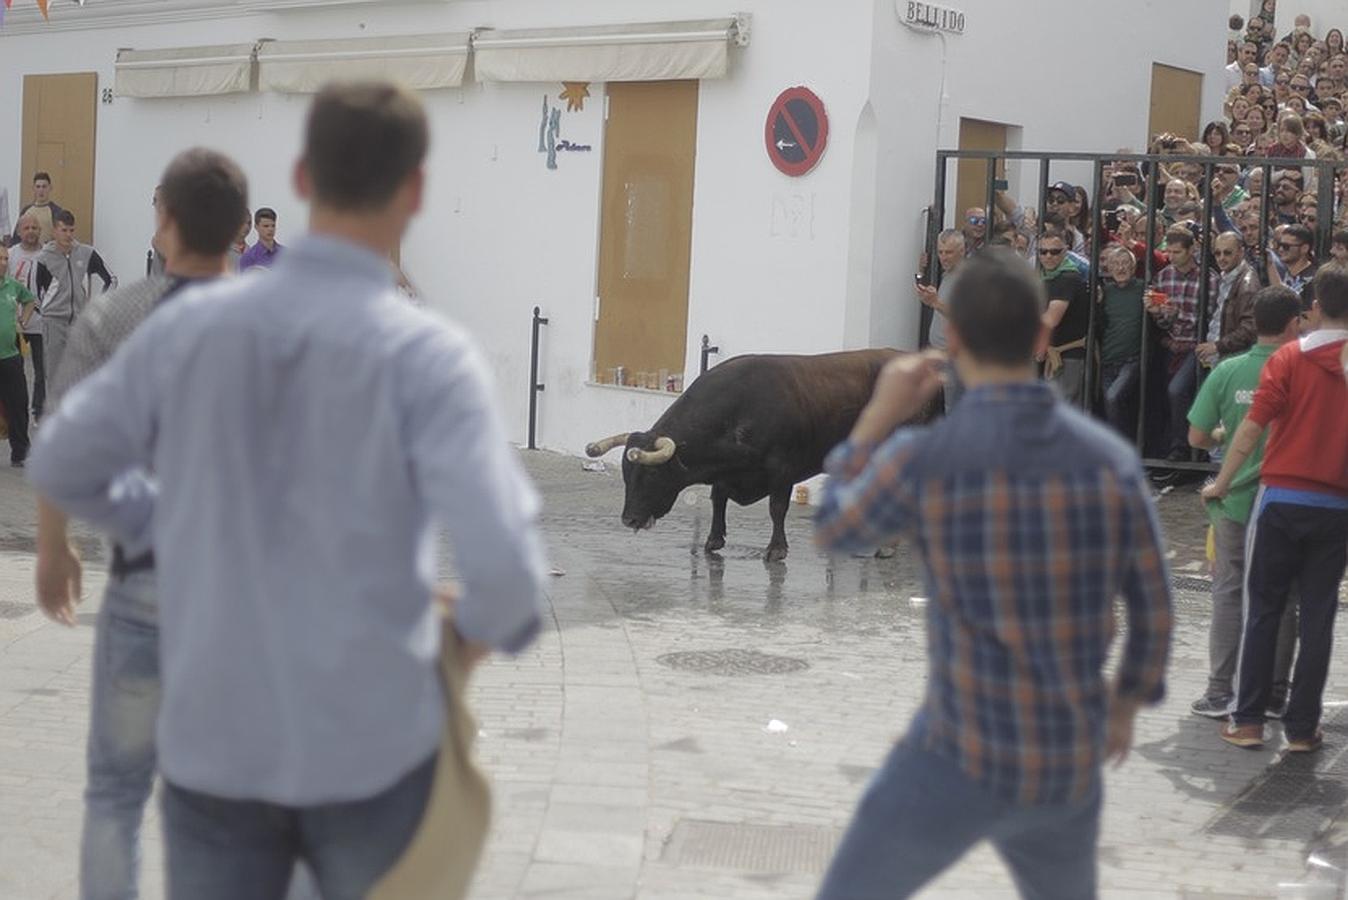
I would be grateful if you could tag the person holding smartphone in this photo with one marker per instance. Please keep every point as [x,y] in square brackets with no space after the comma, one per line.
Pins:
[950,245]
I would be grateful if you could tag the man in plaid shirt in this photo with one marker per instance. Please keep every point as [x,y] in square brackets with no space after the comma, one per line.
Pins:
[1031,520]
[1182,284]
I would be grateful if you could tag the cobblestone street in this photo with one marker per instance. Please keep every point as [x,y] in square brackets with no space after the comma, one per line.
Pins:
[701,727]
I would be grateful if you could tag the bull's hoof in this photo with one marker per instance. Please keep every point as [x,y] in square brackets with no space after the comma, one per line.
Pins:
[713,544]
[774,554]
[886,552]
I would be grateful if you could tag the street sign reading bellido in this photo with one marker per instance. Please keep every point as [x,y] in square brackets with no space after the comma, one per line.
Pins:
[930,17]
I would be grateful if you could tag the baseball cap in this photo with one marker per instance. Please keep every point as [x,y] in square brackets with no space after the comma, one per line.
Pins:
[1064,187]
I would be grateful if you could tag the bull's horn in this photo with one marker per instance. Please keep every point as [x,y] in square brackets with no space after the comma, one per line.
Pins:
[663,453]
[599,448]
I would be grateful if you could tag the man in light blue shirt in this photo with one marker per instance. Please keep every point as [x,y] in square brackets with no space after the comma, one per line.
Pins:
[305,427]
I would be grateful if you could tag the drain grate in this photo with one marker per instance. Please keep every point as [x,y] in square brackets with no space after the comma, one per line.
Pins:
[1296,798]
[11,610]
[735,661]
[1191,583]
[767,849]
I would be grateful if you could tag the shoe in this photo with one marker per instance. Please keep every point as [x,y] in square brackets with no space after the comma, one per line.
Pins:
[1248,736]
[1277,708]
[1211,708]
[1306,744]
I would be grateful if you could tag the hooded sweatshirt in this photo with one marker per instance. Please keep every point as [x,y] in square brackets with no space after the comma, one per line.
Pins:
[1302,395]
[63,281]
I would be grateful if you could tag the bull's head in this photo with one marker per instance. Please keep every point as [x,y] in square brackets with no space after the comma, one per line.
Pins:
[651,473]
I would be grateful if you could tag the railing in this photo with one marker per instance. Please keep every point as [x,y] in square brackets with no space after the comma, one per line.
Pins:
[707,351]
[535,388]
[1324,170]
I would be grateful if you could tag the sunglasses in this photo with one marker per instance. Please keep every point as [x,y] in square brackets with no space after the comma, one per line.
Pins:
[1046,251]
[1301,87]
[1056,200]
[1282,245]
[976,220]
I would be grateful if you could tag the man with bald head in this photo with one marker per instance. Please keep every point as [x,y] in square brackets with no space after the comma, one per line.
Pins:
[23,267]
[1231,328]
[975,228]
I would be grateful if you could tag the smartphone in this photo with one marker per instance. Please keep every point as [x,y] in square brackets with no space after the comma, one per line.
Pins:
[1112,220]
[919,279]
[1125,179]
[1000,184]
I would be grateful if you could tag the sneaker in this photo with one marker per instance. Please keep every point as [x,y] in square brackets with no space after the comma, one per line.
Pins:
[1210,707]
[1277,708]
[1306,744]
[1249,736]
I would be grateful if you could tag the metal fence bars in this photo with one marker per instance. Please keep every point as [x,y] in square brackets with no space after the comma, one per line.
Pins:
[1324,172]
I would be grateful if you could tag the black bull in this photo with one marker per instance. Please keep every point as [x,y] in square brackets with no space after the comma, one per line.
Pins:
[752,427]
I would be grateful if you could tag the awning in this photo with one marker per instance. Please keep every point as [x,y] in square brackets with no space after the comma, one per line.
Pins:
[185,71]
[658,51]
[419,61]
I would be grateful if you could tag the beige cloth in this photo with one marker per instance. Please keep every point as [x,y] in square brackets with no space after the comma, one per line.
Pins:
[439,862]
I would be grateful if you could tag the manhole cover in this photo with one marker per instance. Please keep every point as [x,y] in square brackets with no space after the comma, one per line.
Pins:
[18,543]
[772,849]
[735,661]
[11,610]
[1297,797]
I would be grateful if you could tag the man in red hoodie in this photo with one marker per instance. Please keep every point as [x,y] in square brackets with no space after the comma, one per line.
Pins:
[1299,531]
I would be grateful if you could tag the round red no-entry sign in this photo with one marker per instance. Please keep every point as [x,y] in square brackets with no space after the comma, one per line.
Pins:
[797,131]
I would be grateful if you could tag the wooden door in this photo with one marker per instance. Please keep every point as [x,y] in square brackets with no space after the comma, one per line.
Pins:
[1176,102]
[60,114]
[971,179]
[646,230]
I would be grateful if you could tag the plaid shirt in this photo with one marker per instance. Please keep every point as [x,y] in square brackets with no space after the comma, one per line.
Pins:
[1184,291]
[1030,519]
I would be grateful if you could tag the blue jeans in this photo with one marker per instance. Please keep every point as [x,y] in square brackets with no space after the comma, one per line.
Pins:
[1120,382]
[921,813]
[121,751]
[221,849]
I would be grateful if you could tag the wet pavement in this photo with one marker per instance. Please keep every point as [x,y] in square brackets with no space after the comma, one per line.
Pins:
[695,726]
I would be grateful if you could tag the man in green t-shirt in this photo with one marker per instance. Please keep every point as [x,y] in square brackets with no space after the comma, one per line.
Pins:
[1218,410]
[16,305]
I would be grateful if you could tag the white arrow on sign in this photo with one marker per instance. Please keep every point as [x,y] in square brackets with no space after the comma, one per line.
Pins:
[783,144]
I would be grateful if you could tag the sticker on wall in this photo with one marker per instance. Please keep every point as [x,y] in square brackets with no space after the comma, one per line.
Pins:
[796,133]
[550,140]
[574,93]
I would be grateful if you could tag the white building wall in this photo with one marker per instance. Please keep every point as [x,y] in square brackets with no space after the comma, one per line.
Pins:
[778,264]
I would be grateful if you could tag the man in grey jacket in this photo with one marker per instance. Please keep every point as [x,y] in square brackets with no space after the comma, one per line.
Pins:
[64,271]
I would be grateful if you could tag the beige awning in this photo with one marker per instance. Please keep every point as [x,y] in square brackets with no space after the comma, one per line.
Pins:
[185,71]
[419,61]
[657,51]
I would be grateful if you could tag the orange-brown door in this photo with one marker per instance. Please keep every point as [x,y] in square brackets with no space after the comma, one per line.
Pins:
[646,231]
[971,188]
[1176,101]
[60,115]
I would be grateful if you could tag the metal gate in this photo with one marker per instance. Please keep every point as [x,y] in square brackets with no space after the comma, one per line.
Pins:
[1324,171]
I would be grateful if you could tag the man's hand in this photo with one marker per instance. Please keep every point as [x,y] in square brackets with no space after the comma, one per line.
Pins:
[928,295]
[59,578]
[905,385]
[469,652]
[1207,353]
[1119,730]
[1213,491]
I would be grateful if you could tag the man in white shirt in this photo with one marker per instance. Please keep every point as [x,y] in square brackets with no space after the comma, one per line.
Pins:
[1245,56]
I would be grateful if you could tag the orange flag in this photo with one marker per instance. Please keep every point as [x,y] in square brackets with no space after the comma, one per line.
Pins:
[42,5]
